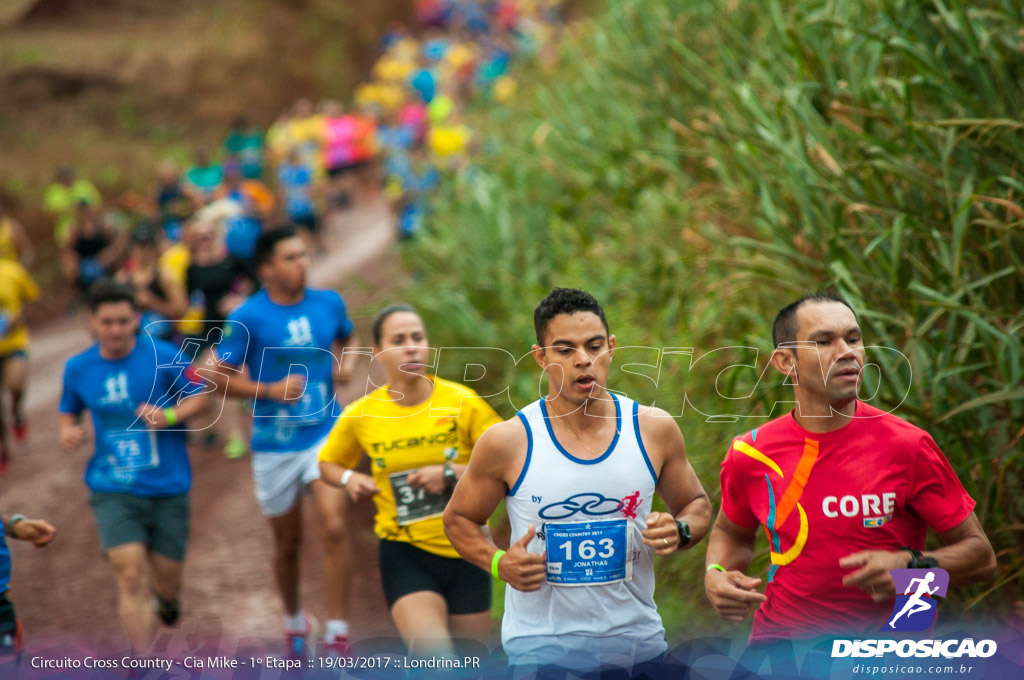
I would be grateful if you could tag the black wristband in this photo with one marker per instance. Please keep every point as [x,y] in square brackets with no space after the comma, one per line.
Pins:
[918,560]
[684,534]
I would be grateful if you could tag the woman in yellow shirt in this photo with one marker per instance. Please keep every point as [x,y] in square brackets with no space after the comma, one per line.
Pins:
[16,288]
[418,431]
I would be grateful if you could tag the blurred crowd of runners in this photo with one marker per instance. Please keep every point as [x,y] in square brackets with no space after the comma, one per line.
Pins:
[231,231]
[186,244]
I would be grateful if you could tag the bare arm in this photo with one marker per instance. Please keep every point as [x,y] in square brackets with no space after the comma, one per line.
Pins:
[732,593]
[158,417]
[39,531]
[678,485]
[430,478]
[967,555]
[499,453]
[359,486]
[477,495]
[72,433]
[236,383]
[287,389]
[348,351]
[175,303]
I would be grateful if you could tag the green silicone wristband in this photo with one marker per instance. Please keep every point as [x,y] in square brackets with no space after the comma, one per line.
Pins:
[719,567]
[494,563]
[171,417]
[9,526]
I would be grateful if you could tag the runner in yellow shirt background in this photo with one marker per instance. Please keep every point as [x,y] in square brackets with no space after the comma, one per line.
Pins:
[16,288]
[418,431]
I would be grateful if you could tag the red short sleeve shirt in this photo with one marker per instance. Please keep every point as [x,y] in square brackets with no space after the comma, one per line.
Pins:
[877,483]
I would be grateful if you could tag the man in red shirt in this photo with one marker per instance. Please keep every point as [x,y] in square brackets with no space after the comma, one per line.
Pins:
[844,491]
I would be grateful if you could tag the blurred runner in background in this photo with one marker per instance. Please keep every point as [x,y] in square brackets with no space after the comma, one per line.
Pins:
[138,395]
[283,325]
[216,284]
[175,203]
[244,144]
[16,288]
[298,190]
[62,199]
[93,249]
[161,301]
[203,178]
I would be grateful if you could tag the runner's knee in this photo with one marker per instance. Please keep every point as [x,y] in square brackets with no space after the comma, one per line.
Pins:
[333,529]
[131,577]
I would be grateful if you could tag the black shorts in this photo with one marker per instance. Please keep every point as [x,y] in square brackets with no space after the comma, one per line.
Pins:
[406,569]
[161,524]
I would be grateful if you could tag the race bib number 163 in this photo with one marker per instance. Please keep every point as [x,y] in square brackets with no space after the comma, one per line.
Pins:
[589,553]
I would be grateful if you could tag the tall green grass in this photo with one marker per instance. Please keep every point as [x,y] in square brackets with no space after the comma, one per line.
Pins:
[698,165]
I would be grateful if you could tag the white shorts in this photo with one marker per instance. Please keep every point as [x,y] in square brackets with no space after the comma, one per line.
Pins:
[281,477]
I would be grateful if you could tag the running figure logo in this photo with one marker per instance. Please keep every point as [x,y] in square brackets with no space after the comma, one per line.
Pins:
[915,608]
[630,504]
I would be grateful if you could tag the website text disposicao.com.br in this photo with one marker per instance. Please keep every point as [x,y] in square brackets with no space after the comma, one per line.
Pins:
[903,669]
[951,651]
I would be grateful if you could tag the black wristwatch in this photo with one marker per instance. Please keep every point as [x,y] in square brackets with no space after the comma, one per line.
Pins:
[449,477]
[684,534]
[919,561]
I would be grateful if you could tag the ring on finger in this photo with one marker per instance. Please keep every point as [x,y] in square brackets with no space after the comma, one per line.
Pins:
[665,541]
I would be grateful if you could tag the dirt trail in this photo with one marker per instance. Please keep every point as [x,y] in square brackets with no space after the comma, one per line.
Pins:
[65,593]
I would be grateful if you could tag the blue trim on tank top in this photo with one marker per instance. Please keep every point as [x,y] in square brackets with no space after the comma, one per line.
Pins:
[529,452]
[640,441]
[581,461]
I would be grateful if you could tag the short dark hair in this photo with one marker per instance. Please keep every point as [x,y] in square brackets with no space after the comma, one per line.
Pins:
[109,291]
[380,317]
[784,327]
[564,301]
[268,240]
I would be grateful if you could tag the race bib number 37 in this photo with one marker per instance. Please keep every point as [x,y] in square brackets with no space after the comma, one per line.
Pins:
[413,504]
[589,553]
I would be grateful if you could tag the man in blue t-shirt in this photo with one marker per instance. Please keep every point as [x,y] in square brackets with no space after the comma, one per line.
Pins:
[296,180]
[288,336]
[40,532]
[137,392]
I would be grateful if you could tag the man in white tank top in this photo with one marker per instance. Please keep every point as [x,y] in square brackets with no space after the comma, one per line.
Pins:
[578,470]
